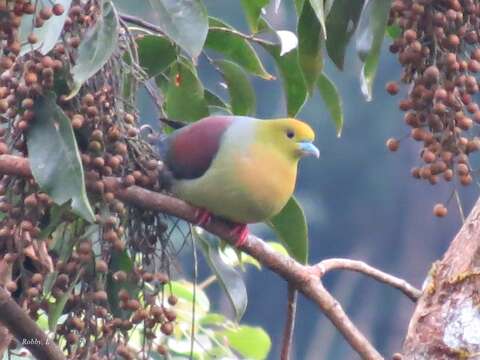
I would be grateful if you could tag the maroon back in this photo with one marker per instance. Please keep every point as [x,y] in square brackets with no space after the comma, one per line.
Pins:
[191,150]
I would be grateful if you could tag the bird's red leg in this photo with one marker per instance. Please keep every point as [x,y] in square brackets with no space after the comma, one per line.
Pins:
[241,231]
[202,217]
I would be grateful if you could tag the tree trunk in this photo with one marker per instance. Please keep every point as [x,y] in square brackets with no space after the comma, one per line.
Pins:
[446,321]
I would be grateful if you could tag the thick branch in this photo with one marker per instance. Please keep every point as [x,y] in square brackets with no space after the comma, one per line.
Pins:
[26,330]
[305,279]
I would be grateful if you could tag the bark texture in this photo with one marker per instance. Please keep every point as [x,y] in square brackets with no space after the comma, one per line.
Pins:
[446,321]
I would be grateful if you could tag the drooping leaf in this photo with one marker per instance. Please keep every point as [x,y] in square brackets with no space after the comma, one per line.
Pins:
[251,342]
[310,40]
[216,106]
[155,54]
[184,290]
[242,95]
[332,100]
[185,97]
[120,261]
[55,218]
[228,277]
[318,8]
[227,41]
[288,65]
[278,247]
[371,30]
[341,24]
[253,10]
[394,31]
[292,78]
[213,319]
[183,21]
[290,226]
[55,310]
[96,47]
[214,100]
[54,157]
[47,35]
[299,5]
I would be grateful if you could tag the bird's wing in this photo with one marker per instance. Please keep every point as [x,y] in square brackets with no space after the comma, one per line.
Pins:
[189,151]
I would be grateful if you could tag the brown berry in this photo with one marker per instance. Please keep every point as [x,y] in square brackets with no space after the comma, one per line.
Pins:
[440,210]
[393,144]
[392,88]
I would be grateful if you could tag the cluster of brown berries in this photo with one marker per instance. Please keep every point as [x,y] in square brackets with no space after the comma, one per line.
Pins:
[439,53]
[110,146]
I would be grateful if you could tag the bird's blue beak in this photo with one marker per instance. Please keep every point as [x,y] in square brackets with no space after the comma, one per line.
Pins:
[308,149]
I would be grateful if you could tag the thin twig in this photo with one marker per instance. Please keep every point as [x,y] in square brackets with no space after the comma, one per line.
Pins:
[142,23]
[152,27]
[327,265]
[289,323]
[242,35]
[207,282]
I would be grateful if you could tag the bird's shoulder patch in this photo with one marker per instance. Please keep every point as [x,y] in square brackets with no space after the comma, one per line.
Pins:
[193,148]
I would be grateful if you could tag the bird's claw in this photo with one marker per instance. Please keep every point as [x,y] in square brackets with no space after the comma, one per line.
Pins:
[241,232]
[202,217]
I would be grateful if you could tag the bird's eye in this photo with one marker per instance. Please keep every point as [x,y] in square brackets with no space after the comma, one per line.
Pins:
[290,134]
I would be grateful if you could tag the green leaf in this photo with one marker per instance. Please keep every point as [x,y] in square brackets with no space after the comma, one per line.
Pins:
[214,100]
[55,217]
[155,53]
[183,21]
[230,279]
[228,41]
[278,247]
[293,81]
[120,261]
[251,342]
[341,24]
[371,29]
[310,40]
[48,34]
[55,310]
[394,31]
[184,290]
[96,47]
[253,10]
[332,100]
[299,5]
[185,98]
[216,106]
[317,6]
[213,319]
[242,95]
[290,226]
[54,157]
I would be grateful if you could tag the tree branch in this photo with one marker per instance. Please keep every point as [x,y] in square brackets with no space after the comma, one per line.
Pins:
[327,265]
[304,278]
[142,23]
[289,323]
[25,330]
[152,27]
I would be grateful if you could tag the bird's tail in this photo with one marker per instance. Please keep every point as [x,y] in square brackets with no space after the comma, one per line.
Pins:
[175,124]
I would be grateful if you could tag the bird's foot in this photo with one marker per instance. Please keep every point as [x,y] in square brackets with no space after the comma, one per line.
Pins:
[241,232]
[202,217]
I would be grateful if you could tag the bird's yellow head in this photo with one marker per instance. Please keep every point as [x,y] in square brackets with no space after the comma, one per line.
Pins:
[291,136]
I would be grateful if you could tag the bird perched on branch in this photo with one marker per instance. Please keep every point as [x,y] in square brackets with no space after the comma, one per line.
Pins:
[237,168]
